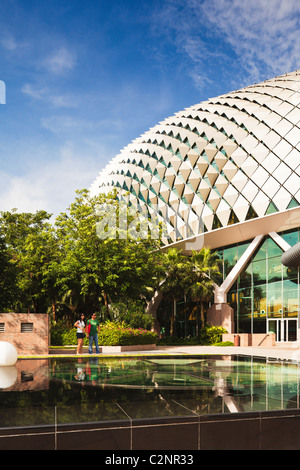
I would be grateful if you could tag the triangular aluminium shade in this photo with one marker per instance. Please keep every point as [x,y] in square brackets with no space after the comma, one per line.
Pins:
[223,161]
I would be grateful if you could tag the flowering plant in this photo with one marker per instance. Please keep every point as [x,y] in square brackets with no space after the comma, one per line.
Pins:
[119,334]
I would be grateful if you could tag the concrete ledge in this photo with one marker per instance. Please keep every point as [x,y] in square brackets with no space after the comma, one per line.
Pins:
[67,350]
[256,339]
[136,347]
[103,349]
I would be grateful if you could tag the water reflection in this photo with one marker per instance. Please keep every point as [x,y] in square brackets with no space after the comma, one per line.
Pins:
[8,376]
[136,373]
[105,389]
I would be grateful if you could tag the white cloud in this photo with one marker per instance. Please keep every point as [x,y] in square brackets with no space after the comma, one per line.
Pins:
[36,93]
[60,61]
[263,34]
[49,187]
[247,41]
[58,124]
[9,43]
[47,95]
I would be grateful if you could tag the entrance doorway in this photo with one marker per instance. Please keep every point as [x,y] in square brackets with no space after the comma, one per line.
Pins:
[285,329]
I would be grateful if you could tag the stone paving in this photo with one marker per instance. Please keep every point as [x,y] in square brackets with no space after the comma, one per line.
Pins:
[283,351]
[286,351]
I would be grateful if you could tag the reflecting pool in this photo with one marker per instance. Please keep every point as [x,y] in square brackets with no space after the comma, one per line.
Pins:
[81,390]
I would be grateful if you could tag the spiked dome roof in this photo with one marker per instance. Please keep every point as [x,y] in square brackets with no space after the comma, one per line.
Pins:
[224,161]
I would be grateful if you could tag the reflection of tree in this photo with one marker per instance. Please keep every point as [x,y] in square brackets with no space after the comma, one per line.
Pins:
[228,265]
[258,295]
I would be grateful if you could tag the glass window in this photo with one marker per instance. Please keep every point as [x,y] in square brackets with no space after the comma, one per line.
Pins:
[273,249]
[219,257]
[290,299]
[259,272]
[291,237]
[259,325]
[232,298]
[242,248]
[244,310]
[232,301]
[230,259]
[274,299]
[262,252]
[265,289]
[232,218]
[271,209]
[260,301]
[274,269]
[245,278]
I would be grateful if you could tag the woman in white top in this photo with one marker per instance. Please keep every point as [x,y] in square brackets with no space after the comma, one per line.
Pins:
[80,325]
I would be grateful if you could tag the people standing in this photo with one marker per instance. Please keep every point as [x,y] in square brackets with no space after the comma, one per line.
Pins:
[80,325]
[93,334]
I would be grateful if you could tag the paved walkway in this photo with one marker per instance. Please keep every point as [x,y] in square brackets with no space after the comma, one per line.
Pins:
[285,351]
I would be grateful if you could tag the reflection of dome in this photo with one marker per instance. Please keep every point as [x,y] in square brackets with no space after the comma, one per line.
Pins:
[225,160]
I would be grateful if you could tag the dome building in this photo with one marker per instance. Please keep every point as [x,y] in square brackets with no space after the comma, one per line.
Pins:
[225,174]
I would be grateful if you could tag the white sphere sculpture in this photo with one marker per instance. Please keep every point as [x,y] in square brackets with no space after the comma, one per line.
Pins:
[8,354]
[8,376]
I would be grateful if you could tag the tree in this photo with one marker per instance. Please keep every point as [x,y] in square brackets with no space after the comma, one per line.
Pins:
[175,283]
[7,279]
[193,275]
[30,246]
[96,270]
[205,271]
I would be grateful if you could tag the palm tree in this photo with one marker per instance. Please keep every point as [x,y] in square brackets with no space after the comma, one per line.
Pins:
[176,272]
[205,271]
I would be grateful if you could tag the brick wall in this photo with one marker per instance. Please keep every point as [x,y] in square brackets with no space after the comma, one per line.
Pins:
[28,332]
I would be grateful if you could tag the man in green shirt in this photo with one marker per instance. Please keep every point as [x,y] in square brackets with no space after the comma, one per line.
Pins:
[93,334]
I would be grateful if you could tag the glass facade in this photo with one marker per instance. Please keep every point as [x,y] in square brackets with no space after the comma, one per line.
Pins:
[265,297]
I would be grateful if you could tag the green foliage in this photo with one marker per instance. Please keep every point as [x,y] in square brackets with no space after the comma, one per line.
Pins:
[211,334]
[111,334]
[174,341]
[62,335]
[98,271]
[194,276]
[30,246]
[138,320]
[132,312]
[65,268]
[8,278]
[208,336]
[119,334]
[224,343]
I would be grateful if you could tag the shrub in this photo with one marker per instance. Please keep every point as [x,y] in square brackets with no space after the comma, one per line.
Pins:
[211,334]
[208,336]
[118,334]
[224,343]
[62,335]
[138,320]
[132,313]
[174,341]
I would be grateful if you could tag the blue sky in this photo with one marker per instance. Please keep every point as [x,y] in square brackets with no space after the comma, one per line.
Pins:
[84,78]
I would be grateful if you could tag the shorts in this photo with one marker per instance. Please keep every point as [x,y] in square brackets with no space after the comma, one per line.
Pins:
[80,335]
